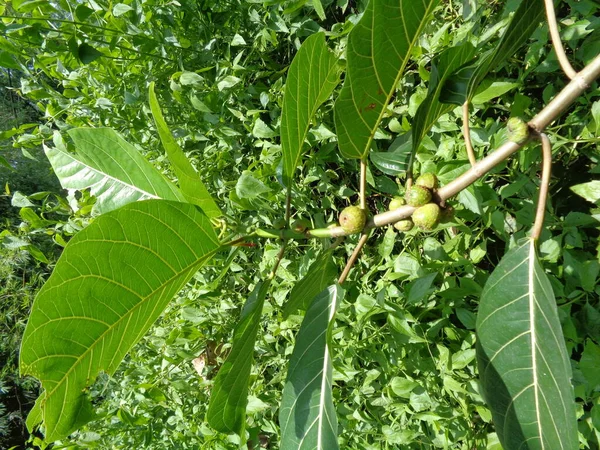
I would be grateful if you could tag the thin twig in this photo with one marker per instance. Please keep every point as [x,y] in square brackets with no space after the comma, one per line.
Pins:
[363,184]
[558,47]
[546,169]
[467,134]
[353,258]
[278,260]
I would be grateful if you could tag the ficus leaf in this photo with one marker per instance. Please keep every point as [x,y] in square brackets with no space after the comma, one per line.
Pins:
[379,48]
[523,363]
[112,281]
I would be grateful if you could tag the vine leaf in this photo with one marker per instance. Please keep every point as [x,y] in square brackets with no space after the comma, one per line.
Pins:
[190,183]
[112,281]
[431,108]
[227,407]
[320,275]
[312,77]
[522,357]
[307,415]
[114,171]
[461,86]
[379,48]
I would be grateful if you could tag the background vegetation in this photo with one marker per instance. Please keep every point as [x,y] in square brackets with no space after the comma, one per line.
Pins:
[404,342]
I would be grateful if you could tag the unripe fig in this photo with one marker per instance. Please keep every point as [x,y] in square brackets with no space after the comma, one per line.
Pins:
[518,130]
[300,225]
[427,217]
[404,225]
[279,224]
[428,180]
[396,203]
[418,196]
[353,219]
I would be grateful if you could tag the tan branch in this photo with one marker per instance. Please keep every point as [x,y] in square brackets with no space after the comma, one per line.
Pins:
[363,184]
[556,42]
[467,133]
[353,258]
[544,185]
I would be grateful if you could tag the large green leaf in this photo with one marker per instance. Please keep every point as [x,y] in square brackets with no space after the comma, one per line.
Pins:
[227,407]
[112,281]
[307,415]
[320,275]
[431,108]
[379,48]
[190,183]
[523,362]
[114,171]
[312,76]
[463,84]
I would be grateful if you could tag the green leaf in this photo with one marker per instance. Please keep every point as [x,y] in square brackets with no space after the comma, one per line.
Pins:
[379,48]
[590,190]
[190,183]
[249,187]
[522,357]
[307,415]
[431,108]
[463,84]
[490,89]
[121,8]
[320,275]
[312,76]
[87,54]
[111,283]
[227,407]
[319,9]
[114,171]
[395,161]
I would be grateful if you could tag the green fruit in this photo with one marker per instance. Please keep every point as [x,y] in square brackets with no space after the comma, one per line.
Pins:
[418,196]
[396,203]
[300,225]
[353,219]
[279,224]
[518,130]
[428,180]
[427,217]
[404,225]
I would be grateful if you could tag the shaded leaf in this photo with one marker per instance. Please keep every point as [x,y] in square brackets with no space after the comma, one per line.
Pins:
[522,357]
[320,275]
[227,407]
[307,415]
[87,54]
[395,161]
[190,183]
[379,48]
[114,171]
[110,284]
[312,76]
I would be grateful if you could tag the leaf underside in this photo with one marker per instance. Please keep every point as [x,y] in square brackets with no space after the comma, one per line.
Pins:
[522,358]
[112,281]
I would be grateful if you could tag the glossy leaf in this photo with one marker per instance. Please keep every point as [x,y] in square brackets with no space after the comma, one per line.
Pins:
[379,48]
[111,283]
[190,183]
[522,357]
[227,407]
[395,160]
[307,415]
[463,84]
[320,275]
[312,76]
[431,108]
[114,171]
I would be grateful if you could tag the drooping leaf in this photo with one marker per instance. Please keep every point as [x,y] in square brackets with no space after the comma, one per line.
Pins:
[112,281]
[114,171]
[312,76]
[379,48]
[320,275]
[87,54]
[431,108]
[522,357]
[307,415]
[190,183]
[463,84]
[227,407]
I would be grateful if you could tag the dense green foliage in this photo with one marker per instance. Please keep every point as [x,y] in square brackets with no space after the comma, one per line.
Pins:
[401,353]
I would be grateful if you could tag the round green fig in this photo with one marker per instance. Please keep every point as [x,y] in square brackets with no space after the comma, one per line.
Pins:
[427,217]
[518,130]
[279,224]
[404,225]
[428,180]
[352,219]
[396,203]
[418,196]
